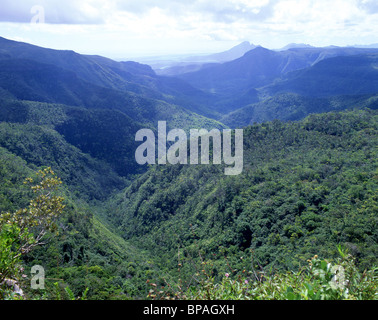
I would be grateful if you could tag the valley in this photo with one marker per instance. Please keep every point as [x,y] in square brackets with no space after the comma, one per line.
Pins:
[308,185]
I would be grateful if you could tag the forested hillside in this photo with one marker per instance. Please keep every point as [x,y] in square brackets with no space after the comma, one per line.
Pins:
[305,188]
[293,107]
[260,67]
[111,228]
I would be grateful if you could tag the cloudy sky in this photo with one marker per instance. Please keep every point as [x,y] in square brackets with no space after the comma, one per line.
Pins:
[129,28]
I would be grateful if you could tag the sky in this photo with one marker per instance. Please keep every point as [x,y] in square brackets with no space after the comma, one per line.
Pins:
[121,29]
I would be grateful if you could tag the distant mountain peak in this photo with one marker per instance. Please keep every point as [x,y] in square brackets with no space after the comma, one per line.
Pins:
[258,49]
[243,45]
[233,53]
[295,46]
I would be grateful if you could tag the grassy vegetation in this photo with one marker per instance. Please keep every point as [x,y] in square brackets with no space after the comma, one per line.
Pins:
[319,280]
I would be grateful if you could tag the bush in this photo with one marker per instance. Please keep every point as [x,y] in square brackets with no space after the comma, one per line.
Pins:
[320,280]
[23,230]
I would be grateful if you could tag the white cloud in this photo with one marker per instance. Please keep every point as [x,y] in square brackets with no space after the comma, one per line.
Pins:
[324,22]
[162,24]
[370,6]
[55,11]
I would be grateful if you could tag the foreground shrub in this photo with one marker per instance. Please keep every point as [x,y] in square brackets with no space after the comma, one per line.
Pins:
[319,280]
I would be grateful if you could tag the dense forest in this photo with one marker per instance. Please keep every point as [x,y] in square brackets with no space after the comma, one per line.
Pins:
[312,189]
[74,200]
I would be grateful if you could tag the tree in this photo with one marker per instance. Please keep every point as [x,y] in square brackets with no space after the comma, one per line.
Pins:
[27,228]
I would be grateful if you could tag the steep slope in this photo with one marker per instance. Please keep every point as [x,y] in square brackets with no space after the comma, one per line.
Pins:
[345,75]
[195,63]
[260,67]
[100,71]
[293,107]
[94,69]
[332,84]
[305,188]
[231,54]
[105,134]
[30,80]
[86,253]
[41,146]
[255,69]
[98,120]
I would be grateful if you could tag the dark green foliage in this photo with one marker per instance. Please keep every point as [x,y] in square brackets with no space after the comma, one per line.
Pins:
[260,67]
[42,146]
[83,255]
[13,172]
[306,187]
[293,107]
[350,75]
[93,80]
[106,134]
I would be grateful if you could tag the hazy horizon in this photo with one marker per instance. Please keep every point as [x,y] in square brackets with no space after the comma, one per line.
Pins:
[144,28]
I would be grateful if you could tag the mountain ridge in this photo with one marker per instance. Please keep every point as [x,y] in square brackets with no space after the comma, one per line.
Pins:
[124,76]
[308,184]
[261,65]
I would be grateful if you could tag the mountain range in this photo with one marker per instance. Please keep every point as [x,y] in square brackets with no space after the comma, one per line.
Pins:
[195,63]
[309,180]
[261,66]
[261,85]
